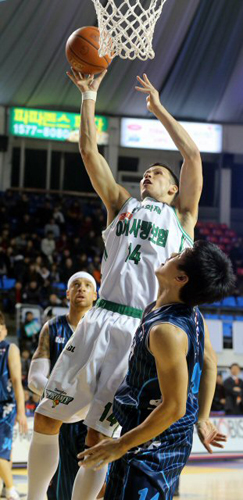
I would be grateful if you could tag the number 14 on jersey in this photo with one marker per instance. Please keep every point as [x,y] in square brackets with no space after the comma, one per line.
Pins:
[134,254]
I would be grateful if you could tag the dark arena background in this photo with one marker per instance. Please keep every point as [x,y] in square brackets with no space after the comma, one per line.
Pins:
[51,219]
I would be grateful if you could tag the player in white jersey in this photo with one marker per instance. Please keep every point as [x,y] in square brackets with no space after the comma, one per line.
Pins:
[139,236]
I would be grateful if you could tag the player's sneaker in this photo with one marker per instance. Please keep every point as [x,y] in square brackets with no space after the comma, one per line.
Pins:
[12,494]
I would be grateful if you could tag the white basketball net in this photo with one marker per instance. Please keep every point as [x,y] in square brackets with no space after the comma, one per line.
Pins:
[127,31]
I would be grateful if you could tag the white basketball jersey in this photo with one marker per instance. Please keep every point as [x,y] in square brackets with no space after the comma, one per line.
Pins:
[140,238]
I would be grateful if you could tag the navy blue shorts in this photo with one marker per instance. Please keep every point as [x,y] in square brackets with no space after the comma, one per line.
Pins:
[151,471]
[7,419]
[71,442]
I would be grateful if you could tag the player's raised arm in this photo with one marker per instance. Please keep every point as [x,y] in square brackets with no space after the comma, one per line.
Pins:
[207,431]
[112,194]
[191,179]
[40,364]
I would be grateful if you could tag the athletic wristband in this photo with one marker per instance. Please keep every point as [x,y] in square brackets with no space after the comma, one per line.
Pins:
[89,94]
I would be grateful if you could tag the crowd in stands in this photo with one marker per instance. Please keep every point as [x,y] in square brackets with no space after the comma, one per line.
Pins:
[44,239]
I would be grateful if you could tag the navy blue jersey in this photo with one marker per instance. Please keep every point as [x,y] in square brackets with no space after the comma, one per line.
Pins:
[151,471]
[59,334]
[140,392]
[7,419]
[6,388]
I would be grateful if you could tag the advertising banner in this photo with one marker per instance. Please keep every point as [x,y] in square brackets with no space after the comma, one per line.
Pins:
[231,426]
[150,134]
[52,125]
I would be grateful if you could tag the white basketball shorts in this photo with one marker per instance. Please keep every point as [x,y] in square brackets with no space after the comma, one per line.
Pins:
[88,372]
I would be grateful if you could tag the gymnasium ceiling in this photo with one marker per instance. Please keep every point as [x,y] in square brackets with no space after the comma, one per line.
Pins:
[198,67]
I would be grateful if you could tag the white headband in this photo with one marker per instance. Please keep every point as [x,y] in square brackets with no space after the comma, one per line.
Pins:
[84,275]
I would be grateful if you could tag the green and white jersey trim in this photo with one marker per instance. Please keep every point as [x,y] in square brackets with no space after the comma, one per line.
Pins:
[185,235]
[119,308]
[105,253]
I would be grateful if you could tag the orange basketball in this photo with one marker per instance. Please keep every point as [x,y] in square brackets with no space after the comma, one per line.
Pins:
[82,51]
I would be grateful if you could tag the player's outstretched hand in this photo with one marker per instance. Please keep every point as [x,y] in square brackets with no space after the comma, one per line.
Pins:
[101,454]
[209,435]
[152,99]
[23,423]
[86,82]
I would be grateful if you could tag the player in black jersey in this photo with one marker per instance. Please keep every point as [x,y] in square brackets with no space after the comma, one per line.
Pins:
[81,292]
[163,394]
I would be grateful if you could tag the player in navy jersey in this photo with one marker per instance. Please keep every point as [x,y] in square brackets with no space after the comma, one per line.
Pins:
[81,292]
[159,400]
[12,407]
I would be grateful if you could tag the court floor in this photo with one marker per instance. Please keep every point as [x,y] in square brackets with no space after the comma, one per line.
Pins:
[206,481]
[213,481]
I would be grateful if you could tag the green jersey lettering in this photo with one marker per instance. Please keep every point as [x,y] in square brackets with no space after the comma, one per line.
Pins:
[122,227]
[157,209]
[107,408]
[149,207]
[162,237]
[145,229]
[154,234]
[126,227]
[119,228]
[135,227]
[111,417]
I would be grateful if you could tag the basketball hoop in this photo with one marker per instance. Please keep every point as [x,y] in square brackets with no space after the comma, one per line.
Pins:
[127,31]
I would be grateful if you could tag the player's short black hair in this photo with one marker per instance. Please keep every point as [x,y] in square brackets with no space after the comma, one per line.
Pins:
[235,364]
[210,274]
[174,177]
